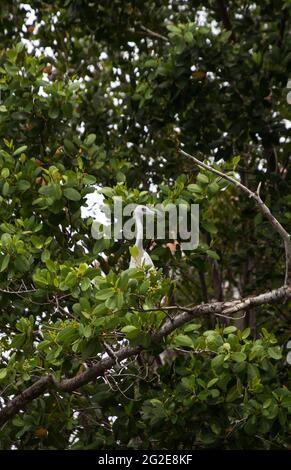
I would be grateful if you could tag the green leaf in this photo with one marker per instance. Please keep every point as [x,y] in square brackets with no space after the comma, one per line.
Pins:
[129,329]
[209,227]
[192,327]
[120,299]
[111,302]
[67,335]
[217,361]
[238,356]
[107,191]
[194,188]
[100,310]
[85,284]
[233,394]
[133,250]
[5,172]
[202,178]
[3,373]
[89,179]
[18,341]
[51,191]
[20,150]
[212,254]
[275,352]
[229,329]
[235,161]
[104,293]
[85,330]
[23,185]
[69,146]
[213,188]
[72,194]
[6,240]
[21,264]
[212,382]
[53,113]
[5,189]
[50,265]
[246,333]
[267,403]
[188,37]
[70,279]
[39,278]
[184,340]
[3,108]
[45,255]
[124,278]
[90,139]
[5,262]
[120,177]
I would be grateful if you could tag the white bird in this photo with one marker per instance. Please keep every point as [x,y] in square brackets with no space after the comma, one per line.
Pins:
[140,258]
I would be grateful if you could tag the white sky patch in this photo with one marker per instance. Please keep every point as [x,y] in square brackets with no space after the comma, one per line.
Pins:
[81,128]
[95,201]
[49,52]
[30,44]
[153,188]
[30,14]
[41,92]
[201,17]
[103,56]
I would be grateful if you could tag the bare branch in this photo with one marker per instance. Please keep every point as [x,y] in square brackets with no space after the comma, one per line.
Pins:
[261,205]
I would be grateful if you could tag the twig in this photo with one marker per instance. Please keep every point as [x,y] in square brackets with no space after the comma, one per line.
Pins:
[261,205]
[154,34]
[17,292]
[110,352]
[195,351]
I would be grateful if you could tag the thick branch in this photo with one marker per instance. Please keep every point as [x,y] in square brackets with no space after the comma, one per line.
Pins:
[187,314]
[19,402]
[68,385]
[261,205]
[225,308]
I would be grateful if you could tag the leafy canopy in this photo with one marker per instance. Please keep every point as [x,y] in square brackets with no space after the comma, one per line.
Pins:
[102,93]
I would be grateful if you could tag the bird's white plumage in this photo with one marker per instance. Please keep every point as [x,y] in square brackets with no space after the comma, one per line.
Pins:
[142,259]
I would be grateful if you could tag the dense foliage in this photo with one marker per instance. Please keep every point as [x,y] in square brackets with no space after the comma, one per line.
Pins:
[102,94]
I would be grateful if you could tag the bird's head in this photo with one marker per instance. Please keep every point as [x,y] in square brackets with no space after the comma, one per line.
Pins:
[141,210]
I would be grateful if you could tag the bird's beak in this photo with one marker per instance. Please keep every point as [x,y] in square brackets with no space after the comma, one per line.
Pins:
[153,211]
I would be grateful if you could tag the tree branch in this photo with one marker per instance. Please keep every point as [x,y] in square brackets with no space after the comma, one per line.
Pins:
[261,205]
[25,397]
[223,13]
[154,34]
[224,308]
[187,314]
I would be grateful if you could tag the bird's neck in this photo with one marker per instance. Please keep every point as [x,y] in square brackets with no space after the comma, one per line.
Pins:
[139,235]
